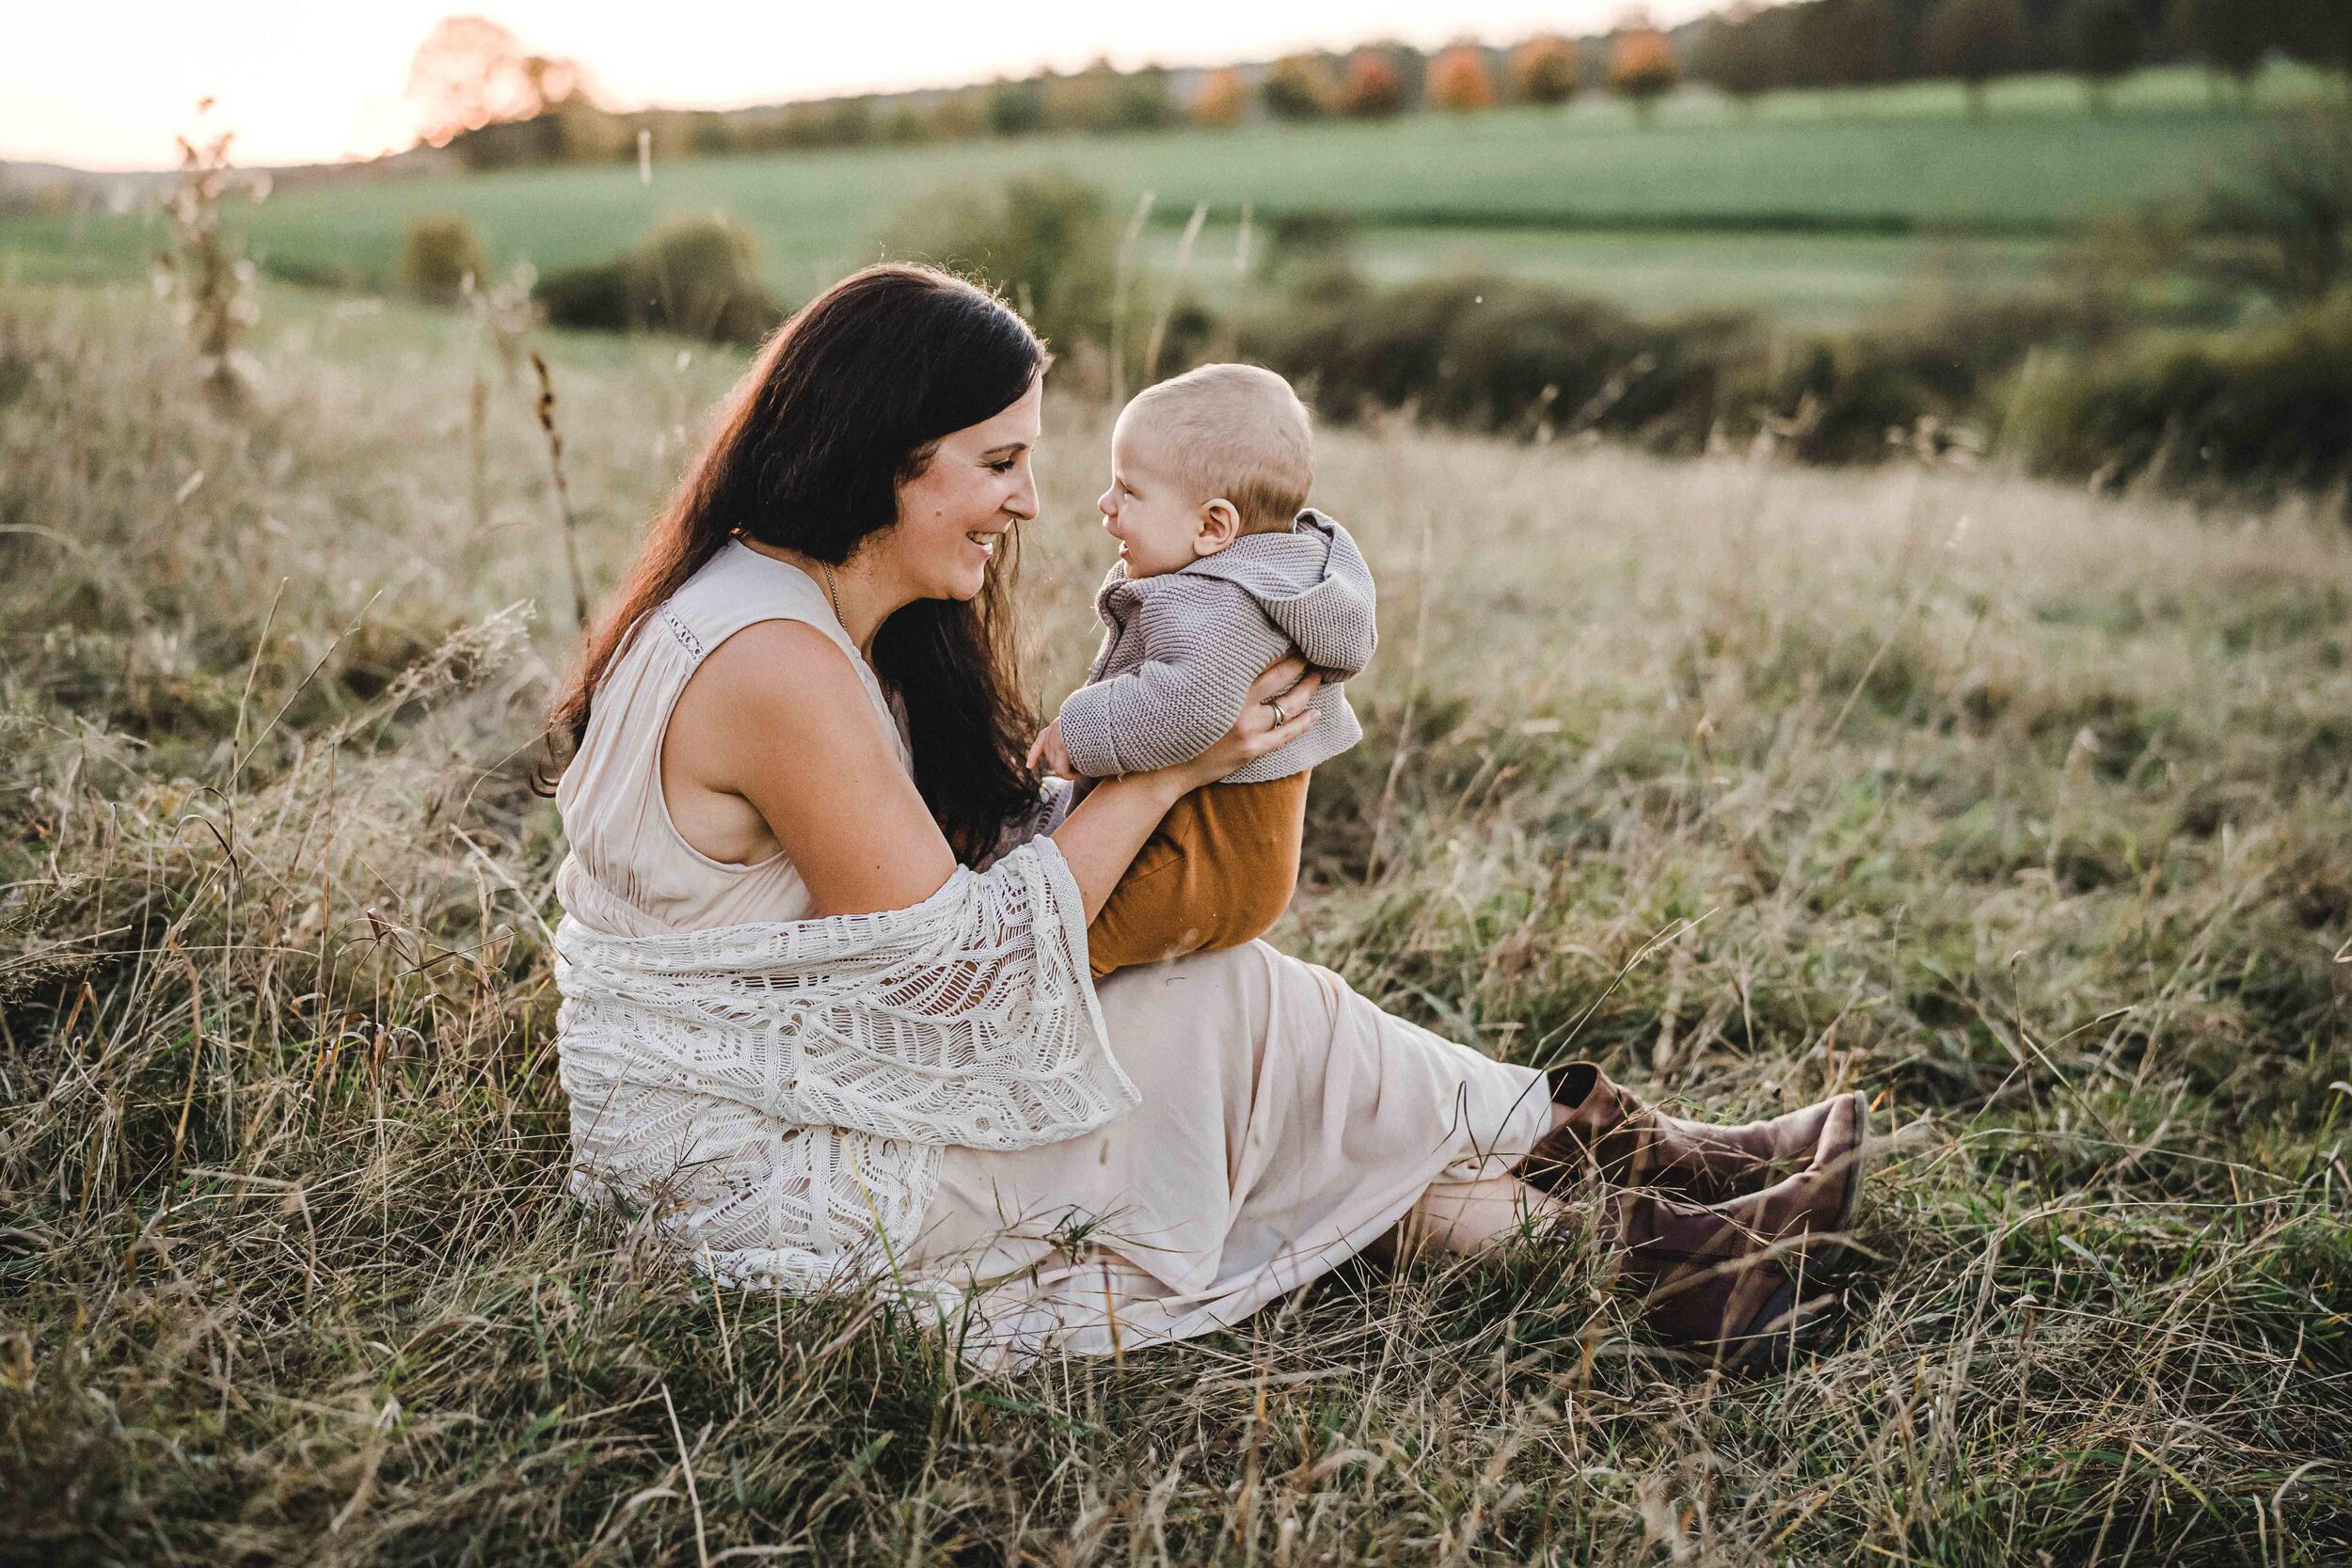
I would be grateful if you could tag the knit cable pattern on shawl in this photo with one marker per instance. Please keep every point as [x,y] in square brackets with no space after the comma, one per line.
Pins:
[777,1094]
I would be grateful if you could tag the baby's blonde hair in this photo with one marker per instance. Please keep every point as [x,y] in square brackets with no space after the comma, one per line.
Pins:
[1235,431]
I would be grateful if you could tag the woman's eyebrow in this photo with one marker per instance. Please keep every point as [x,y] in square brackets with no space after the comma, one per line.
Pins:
[1008,449]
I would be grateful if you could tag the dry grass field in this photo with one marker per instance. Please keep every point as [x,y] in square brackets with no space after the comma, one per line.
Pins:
[2027,812]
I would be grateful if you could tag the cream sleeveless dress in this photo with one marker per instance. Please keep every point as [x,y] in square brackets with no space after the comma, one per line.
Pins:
[1285,1122]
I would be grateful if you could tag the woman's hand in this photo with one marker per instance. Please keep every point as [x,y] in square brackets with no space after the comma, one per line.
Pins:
[1287,681]
[1100,838]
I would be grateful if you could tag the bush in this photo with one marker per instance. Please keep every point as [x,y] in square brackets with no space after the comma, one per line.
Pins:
[1049,242]
[1140,101]
[1300,87]
[438,256]
[2261,409]
[1015,109]
[697,277]
[2285,218]
[1498,354]
[1311,252]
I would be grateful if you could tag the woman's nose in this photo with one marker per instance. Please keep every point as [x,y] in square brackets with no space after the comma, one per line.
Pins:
[1022,503]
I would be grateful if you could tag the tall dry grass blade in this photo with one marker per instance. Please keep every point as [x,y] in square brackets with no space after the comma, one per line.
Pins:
[1399,490]
[1229,327]
[545,407]
[1175,288]
[1122,286]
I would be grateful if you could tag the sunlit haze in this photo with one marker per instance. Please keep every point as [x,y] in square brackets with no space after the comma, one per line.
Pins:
[107,85]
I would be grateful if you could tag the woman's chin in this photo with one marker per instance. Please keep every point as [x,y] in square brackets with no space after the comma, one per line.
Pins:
[965,588]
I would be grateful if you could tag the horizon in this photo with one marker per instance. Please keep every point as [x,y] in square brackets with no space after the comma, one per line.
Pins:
[303,84]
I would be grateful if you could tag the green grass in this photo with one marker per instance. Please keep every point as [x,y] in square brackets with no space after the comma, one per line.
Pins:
[2026,813]
[1837,183]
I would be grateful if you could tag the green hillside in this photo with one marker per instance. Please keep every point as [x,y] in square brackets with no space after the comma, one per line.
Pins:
[1814,205]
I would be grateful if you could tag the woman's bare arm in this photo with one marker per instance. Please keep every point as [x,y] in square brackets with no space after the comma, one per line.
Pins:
[775,743]
[775,731]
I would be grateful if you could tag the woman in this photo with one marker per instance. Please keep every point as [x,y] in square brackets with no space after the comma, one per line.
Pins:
[827,1012]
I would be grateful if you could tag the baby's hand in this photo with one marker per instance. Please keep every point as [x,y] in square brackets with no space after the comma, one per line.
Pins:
[1048,750]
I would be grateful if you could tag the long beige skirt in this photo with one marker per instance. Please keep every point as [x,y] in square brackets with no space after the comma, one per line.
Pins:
[1286,1124]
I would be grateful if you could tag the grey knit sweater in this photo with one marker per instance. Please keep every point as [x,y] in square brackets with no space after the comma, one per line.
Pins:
[1180,651]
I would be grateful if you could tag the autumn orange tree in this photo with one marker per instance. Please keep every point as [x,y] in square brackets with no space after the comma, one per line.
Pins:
[1373,86]
[1458,79]
[1544,70]
[1642,68]
[469,72]
[1224,98]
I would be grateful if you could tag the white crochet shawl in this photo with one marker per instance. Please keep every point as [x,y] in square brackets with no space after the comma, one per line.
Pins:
[775,1096]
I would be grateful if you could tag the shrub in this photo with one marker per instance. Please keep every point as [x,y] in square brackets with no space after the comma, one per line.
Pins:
[1498,354]
[1049,242]
[1459,80]
[1544,70]
[1102,99]
[1310,249]
[1300,87]
[206,277]
[1643,69]
[1015,108]
[1373,87]
[2286,218]
[2264,409]
[1224,98]
[438,256]
[697,277]
[1140,101]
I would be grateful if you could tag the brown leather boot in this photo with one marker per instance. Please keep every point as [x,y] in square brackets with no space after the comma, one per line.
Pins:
[1612,1131]
[1734,1280]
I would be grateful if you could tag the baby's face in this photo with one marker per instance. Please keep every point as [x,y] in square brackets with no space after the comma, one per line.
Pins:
[1147,509]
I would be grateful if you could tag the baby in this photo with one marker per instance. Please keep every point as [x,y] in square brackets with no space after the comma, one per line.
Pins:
[1222,571]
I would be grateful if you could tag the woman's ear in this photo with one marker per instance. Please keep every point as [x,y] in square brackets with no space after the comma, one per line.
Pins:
[1220,525]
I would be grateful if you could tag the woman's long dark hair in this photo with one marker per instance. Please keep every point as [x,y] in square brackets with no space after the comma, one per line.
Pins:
[845,402]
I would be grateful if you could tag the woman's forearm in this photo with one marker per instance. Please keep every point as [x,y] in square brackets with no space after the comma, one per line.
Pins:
[1100,838]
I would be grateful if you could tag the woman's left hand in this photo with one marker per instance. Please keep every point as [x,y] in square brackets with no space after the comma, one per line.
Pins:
[1263,726]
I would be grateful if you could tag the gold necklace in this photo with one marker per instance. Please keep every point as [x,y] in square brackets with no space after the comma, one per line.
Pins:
[832,595]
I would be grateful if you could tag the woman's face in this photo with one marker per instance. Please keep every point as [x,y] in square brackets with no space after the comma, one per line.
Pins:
[954,516]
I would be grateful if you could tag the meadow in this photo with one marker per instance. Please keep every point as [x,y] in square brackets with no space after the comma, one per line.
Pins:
[1813,207]
[2024,811]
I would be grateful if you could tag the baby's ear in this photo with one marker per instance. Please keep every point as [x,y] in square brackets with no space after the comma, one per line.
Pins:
[1220,525]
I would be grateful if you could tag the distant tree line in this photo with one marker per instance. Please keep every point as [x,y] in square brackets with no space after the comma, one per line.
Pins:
[1749,50]
[498,105]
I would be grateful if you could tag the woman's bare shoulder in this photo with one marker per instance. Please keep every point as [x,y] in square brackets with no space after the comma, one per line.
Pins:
[773,684]
[777,721]
[778,658]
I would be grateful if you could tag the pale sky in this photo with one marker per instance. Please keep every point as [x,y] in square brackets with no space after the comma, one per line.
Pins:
[104,83]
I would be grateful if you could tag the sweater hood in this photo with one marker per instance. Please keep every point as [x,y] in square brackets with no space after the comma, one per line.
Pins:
[1312,584]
